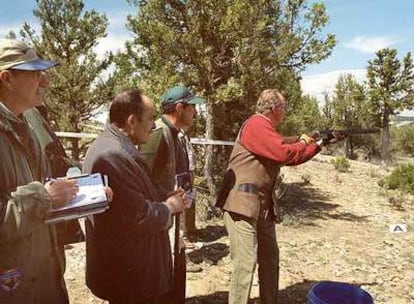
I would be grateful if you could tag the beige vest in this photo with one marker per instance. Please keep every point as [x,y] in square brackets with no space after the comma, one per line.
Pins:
[248,182]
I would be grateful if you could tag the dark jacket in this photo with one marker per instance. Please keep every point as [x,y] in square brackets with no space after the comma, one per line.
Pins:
[127,247]
[27,244]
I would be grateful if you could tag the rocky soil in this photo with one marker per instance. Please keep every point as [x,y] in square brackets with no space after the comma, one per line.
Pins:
[335,227]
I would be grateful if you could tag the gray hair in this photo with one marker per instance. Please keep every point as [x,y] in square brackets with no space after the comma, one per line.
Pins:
[267,100]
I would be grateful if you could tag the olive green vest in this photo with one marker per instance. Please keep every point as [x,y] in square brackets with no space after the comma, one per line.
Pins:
[148,151]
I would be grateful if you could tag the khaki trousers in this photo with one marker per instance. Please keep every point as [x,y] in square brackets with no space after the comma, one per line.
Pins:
[252,242]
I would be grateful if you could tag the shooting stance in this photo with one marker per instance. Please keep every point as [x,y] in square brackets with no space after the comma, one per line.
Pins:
[246,196]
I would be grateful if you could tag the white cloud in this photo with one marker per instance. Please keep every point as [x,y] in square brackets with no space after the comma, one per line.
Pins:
[117,34]
[316,85]
[371,44]
[112,43]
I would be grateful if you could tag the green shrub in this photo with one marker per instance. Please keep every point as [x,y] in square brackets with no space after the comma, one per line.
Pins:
[341,164]
[403,139]
[401,178]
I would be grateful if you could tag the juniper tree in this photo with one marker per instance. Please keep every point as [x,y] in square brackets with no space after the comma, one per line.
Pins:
[390,88]
[227,51]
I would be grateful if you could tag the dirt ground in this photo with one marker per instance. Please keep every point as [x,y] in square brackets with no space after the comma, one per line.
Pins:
[335,227]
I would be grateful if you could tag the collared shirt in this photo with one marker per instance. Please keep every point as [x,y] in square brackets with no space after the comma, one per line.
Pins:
[6,109]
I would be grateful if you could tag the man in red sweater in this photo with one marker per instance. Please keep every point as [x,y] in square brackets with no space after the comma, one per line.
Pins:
[246,196]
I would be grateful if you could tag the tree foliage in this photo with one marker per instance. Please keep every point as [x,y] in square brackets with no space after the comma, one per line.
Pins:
[403,139]
[391,89]
[305,117]
[348,108]
[69,35]
[228,51]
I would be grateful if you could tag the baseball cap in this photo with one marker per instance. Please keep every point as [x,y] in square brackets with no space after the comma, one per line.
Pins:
[180,94]
[16,55]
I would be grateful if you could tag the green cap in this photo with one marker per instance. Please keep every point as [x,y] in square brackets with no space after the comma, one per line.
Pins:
[180,94]
[16,55]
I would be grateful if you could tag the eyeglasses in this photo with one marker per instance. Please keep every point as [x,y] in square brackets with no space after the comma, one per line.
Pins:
[37,74]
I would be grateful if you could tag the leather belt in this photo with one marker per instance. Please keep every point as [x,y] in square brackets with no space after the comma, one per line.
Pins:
[249,188]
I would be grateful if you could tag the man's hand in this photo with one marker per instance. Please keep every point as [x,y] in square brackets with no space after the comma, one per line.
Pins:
[61,191]
[109,193]
[176,201]
[307,139]
[189,198]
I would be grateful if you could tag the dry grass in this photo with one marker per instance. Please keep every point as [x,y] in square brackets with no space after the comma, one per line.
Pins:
[336,227]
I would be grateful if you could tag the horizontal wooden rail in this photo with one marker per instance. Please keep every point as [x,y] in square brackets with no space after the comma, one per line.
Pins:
[195,140]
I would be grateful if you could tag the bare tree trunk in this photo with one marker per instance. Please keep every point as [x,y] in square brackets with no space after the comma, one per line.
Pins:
[75,148]
[208,165]
[348,148]
[385,136]
[351,149]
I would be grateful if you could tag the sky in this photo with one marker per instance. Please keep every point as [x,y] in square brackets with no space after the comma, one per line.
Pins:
[361,28]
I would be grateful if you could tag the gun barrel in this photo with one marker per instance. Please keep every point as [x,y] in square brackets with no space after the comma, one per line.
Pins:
[328,133]
[358,131]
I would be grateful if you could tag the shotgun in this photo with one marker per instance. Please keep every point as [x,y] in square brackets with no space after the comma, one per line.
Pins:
[183,181]
[328,134]
[179,270]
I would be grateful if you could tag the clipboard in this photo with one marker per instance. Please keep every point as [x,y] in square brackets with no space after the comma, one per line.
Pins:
[90,199]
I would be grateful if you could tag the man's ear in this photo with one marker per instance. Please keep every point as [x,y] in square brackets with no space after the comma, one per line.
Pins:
[6,79]
[179,107]
[130,122]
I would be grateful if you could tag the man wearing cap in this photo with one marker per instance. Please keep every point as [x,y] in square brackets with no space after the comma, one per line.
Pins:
[167,156]
[31,263]
[165,153]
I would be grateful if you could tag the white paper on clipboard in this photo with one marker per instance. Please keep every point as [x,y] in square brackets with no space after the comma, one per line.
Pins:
[90,199]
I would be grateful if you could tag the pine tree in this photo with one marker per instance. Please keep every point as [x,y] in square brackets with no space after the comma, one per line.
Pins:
[228,51]
[391,89]
[349,106]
